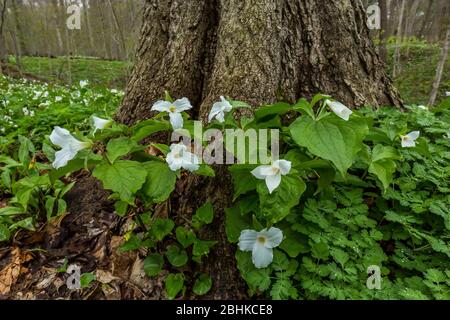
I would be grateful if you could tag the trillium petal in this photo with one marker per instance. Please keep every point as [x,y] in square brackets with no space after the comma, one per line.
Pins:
[339,109]
[247,240]
[174,164]
[346,113]
[178,147]
[176,119]
[216,109]
[63,156]
[100,124]
[274,237]
[182,104]
[408,143]
[61,137]
[227,107]
[190,162]
[261,256]
[414,135]
[161,106]
[273,182]
[220,117]
[284,165]
[262,172]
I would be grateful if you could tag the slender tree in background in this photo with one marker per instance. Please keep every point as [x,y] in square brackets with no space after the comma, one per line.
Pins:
[384,30]
[3,52]
[440,68]
[258,52]
[398,43]
[16,6]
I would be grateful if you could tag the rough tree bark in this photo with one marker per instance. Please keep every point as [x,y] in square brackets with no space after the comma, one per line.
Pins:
[258,51]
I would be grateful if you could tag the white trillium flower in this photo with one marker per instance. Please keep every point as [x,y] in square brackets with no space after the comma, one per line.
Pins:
[422,107]
[218,110]
[339,109]
[179,157]
[447,93]
[174,109]
[84,83]
[409,141]
[68,144]
[261,245]
[58,99]
[100,124]
[272,174]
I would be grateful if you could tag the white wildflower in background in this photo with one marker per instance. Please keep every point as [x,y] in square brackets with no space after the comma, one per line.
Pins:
[339,109]
[26,112]
[37,95]
[261,245]
[58,99]
[84,83]
[174,109]
[447,93]
[179,157]
[272,174]
[100,124]
[422,107]
[69,145]
[409,141]
[219,109]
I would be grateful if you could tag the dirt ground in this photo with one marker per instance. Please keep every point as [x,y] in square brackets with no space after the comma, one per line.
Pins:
[88,236]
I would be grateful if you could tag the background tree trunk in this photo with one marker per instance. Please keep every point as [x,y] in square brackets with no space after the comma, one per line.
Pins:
[384,30]
[3,52]
[440,69]
[255,51]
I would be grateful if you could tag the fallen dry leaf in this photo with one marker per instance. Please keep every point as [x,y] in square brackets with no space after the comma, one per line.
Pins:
[12,271]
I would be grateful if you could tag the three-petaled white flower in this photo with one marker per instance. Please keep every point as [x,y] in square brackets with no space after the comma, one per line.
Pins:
[272,174]
[69,146]
[179,157]
[218,110]
[339,109]
[100,124]
[422,107]
[84,83]
[261,245]
[174,109]
[409,141]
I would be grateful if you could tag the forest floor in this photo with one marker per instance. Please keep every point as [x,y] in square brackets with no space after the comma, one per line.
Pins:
[112,74]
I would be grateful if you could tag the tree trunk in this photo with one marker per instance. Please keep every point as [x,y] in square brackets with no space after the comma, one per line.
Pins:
[384,30]
[426,19]
[409,25]
[123,48]
[258,51]
[397,57]
[87,21]
[3,51]
[440,69]
[21,44]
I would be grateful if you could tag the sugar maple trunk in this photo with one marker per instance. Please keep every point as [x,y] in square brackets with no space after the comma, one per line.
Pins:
[258,51]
